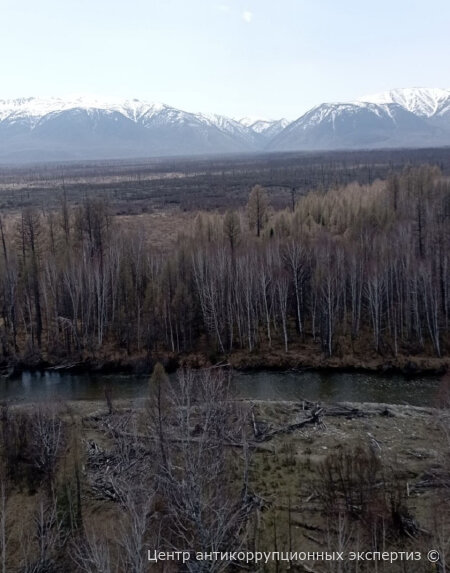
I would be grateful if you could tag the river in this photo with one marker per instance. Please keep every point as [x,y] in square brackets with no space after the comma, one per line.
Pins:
[262,385]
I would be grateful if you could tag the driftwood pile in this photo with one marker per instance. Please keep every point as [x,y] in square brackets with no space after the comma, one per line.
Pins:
[314,417]
[433,479]
[129,456]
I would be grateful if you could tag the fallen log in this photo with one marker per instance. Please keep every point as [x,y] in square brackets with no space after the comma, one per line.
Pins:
[255,428]
[315,418]
[432,480]
[346,412]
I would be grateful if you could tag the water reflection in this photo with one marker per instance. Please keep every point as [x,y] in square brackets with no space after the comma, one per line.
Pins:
[263,385]
[338,387]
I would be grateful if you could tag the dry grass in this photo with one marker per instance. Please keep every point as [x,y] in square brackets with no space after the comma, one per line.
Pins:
[286,470]
[162,229]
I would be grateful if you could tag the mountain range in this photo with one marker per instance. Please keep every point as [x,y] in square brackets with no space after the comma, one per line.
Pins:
[38,129]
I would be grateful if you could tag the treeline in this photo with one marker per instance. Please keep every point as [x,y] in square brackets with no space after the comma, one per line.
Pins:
[357,267]
[189,184]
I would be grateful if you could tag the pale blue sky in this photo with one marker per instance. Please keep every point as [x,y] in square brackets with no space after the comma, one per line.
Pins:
[267,58]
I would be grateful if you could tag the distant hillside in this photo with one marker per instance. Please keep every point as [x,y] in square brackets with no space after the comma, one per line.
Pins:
[35,129]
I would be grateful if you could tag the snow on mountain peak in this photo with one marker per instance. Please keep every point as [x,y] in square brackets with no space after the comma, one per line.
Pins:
[33,108]
[250,120]
[374,120]
[424,102]
[260,125]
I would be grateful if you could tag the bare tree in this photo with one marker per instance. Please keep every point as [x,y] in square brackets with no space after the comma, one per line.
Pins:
[295,258]
[158,408]
[4,537]
[134,529]
[231,230]
[41,545]
[207,512]
[92,553]
[258,203]
[46,442]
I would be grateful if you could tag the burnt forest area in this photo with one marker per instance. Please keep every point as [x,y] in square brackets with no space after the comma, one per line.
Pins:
[181,272]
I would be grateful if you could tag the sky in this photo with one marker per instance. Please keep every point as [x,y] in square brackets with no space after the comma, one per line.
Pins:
[258,58]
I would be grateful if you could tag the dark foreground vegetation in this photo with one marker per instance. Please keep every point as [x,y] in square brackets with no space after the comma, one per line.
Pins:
[92,487]
[354,276]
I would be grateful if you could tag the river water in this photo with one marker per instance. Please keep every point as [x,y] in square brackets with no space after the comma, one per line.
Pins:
[262,385]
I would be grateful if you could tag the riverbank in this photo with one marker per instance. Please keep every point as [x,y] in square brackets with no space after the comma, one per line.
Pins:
[292,454]
[273,359]
[403,448]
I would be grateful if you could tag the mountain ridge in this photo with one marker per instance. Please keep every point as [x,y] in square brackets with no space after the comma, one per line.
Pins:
[83,127]
[405,117]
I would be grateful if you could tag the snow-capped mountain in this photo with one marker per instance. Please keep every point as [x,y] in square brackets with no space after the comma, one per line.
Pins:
[265,128]
[81,127]
[93,128]
[412,117]
[233,127]
[424,102]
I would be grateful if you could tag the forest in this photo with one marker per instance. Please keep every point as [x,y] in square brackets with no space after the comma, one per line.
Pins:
[347,275]
[189,184]
[357,270]
[224,286]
